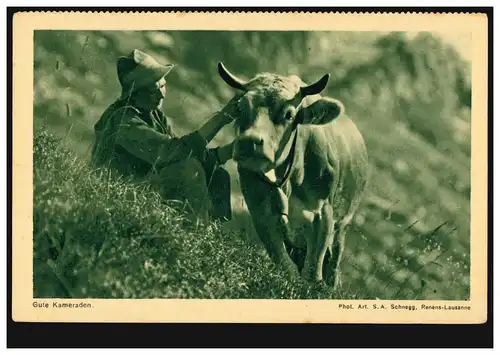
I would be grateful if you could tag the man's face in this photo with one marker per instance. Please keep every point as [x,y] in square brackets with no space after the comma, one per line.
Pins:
[150,98]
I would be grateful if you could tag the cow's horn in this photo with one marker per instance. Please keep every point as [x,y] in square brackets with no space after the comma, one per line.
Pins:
[230,79]
[315,88]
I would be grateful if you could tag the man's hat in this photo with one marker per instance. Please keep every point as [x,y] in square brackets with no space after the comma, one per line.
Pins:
[138,70]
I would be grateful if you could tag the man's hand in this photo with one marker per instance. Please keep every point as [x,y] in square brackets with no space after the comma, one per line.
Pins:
[231,111]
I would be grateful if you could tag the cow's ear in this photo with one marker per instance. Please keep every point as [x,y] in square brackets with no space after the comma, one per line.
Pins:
[318,110]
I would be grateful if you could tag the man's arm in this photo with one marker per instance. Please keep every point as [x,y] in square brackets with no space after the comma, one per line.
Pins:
[225,116]
[139,139]
[209,130]
[224,152]
[135,136]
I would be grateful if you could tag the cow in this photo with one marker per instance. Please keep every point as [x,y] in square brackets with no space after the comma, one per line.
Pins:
[303,168]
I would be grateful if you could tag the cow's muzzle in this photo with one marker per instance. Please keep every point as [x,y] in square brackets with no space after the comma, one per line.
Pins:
[249,146]
[249,152]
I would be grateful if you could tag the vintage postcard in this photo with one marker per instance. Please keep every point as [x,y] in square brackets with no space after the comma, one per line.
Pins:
[250,167]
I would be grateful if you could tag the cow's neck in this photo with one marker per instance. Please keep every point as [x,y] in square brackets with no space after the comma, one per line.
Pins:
[284,161]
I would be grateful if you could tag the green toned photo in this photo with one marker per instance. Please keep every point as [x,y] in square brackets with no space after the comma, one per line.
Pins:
[252,165]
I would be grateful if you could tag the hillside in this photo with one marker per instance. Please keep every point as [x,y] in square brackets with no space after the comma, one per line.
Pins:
[103,237]
[410,98]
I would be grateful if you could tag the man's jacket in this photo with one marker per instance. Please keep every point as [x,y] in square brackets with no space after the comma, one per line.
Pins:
[136,142]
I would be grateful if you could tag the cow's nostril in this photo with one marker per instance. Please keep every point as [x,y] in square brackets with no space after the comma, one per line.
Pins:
[249,145]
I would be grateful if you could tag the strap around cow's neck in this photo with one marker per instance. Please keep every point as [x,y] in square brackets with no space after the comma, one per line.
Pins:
[288,161]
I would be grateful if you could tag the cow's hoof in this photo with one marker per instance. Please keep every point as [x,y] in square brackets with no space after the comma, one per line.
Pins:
[293,273]
[306,274]
[337,285]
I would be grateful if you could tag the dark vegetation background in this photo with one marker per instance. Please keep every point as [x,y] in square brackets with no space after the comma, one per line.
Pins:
[410,96]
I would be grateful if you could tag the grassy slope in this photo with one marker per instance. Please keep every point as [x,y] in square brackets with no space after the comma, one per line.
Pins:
[410,99]
[97,236]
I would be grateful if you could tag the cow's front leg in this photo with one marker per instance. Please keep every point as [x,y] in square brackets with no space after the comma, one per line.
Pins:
[268,208]
[273,231]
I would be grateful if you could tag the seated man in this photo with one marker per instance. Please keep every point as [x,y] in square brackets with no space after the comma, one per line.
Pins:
[134,138]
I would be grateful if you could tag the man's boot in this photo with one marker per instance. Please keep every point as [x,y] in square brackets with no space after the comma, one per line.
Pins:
[219,187]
